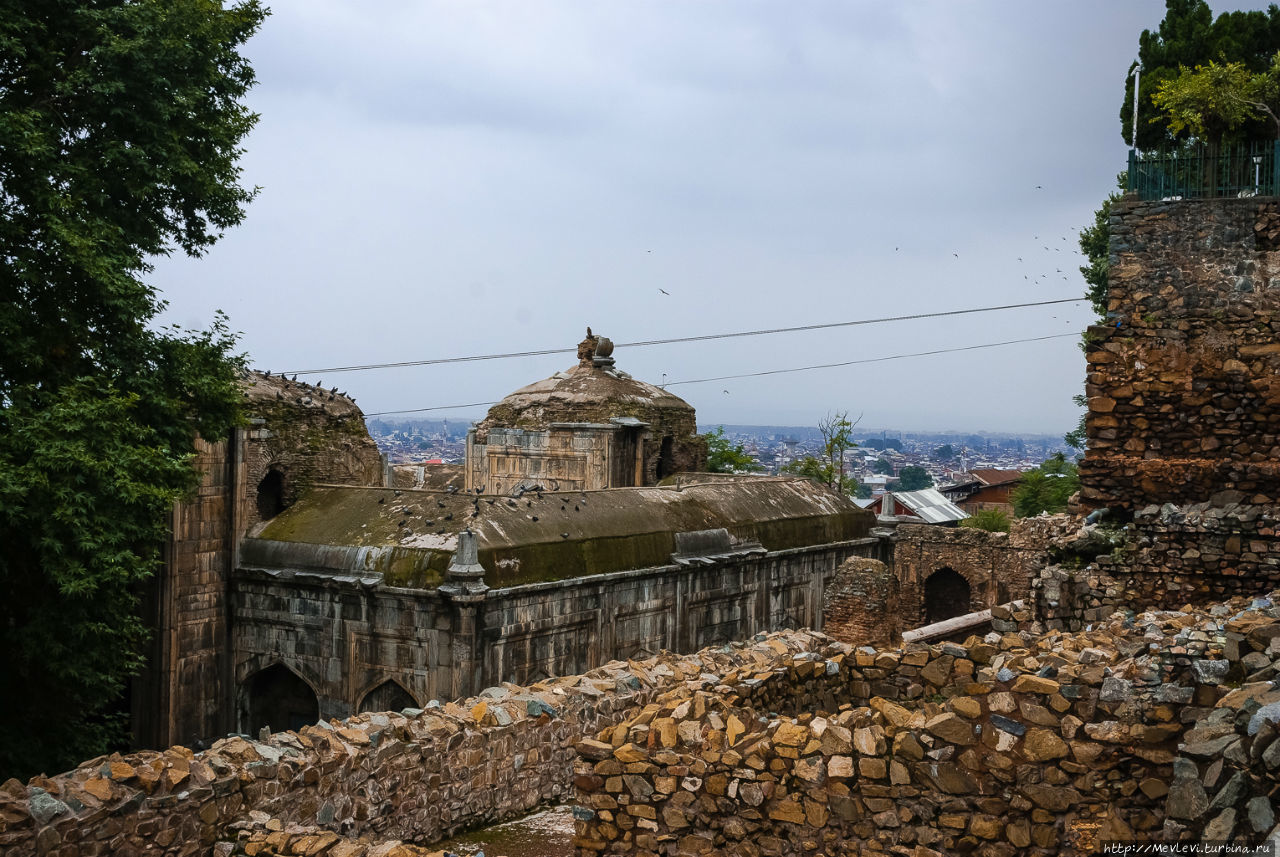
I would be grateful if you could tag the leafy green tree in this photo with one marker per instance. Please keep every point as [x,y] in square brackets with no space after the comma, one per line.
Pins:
[1078,437]
[120,128]
[1095,244]
[725,456]
[821,472]
[1190,36]
[946,452]
[991,520]
[913,478]
[1216,100]
[1047,488]
[882,465]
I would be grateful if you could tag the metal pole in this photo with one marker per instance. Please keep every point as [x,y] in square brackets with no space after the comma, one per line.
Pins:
[1137,81]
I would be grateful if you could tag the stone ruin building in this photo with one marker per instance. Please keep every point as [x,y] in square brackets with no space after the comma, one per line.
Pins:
[302,583]
[589,427]
[1125,687]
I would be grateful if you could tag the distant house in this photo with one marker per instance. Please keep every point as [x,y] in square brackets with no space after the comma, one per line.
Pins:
[927,505]
[878,483]
[984,488]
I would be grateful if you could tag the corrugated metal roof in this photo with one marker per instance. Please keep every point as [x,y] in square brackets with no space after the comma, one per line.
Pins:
[930,506]
[995,476]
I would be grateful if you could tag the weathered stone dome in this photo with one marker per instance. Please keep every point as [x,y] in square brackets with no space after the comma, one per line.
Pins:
[591,426]
[587,394]
[591,392]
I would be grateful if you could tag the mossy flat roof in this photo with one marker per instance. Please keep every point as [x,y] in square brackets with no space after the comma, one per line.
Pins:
[557,535]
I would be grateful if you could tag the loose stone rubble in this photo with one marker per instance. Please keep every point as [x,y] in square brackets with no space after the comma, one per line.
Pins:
[417,775]
[1159,726]
[1012,743]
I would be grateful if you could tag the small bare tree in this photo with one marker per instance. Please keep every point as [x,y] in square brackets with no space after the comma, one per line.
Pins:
[837,438]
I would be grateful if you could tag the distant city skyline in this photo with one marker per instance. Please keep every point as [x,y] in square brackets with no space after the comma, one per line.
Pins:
[444,180]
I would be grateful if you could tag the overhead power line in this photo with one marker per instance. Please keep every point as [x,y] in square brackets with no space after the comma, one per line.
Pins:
[702,338]
[436,408]
[776,371]
[871,360]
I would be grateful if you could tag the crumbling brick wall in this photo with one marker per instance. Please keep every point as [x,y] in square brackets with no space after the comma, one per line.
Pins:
[997,566]
[860,603]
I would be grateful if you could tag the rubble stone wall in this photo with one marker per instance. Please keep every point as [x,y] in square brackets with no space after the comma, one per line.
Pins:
[1200,552]
[1182,387]
[414,775]
[1073,598]
[1016,743]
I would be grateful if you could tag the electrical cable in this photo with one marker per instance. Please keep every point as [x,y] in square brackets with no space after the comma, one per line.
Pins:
[703,338]
[777,371]
[870,360]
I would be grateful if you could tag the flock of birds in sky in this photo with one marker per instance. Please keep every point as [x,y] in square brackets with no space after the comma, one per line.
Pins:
[1038,279]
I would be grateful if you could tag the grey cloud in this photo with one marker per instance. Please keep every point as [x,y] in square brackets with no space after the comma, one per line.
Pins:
[448,178]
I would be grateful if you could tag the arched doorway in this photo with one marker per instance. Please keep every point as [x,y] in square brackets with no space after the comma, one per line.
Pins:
[946,595]
[278,698]
[388,696]
[271,495]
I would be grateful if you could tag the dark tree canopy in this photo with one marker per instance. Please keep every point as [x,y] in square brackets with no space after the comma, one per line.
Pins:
[1047,488]
[1190,36]
[120,126]
[913,478]
[1095,243]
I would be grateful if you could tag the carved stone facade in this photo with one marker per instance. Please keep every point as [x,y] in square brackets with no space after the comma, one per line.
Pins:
[298,436]
[589,427]
[299,588]
[555,584]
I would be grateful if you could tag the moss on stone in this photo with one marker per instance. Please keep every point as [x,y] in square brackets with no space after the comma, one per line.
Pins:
[554,536]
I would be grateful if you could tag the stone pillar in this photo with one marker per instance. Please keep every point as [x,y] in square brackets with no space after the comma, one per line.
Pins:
[861,604]
[464,588]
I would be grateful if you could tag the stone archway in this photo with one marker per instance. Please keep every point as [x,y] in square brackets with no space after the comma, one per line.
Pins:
[270,499]
[946,595]
[280,699]
[388,696]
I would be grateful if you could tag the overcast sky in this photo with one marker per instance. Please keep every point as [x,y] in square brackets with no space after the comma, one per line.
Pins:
[446,179]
